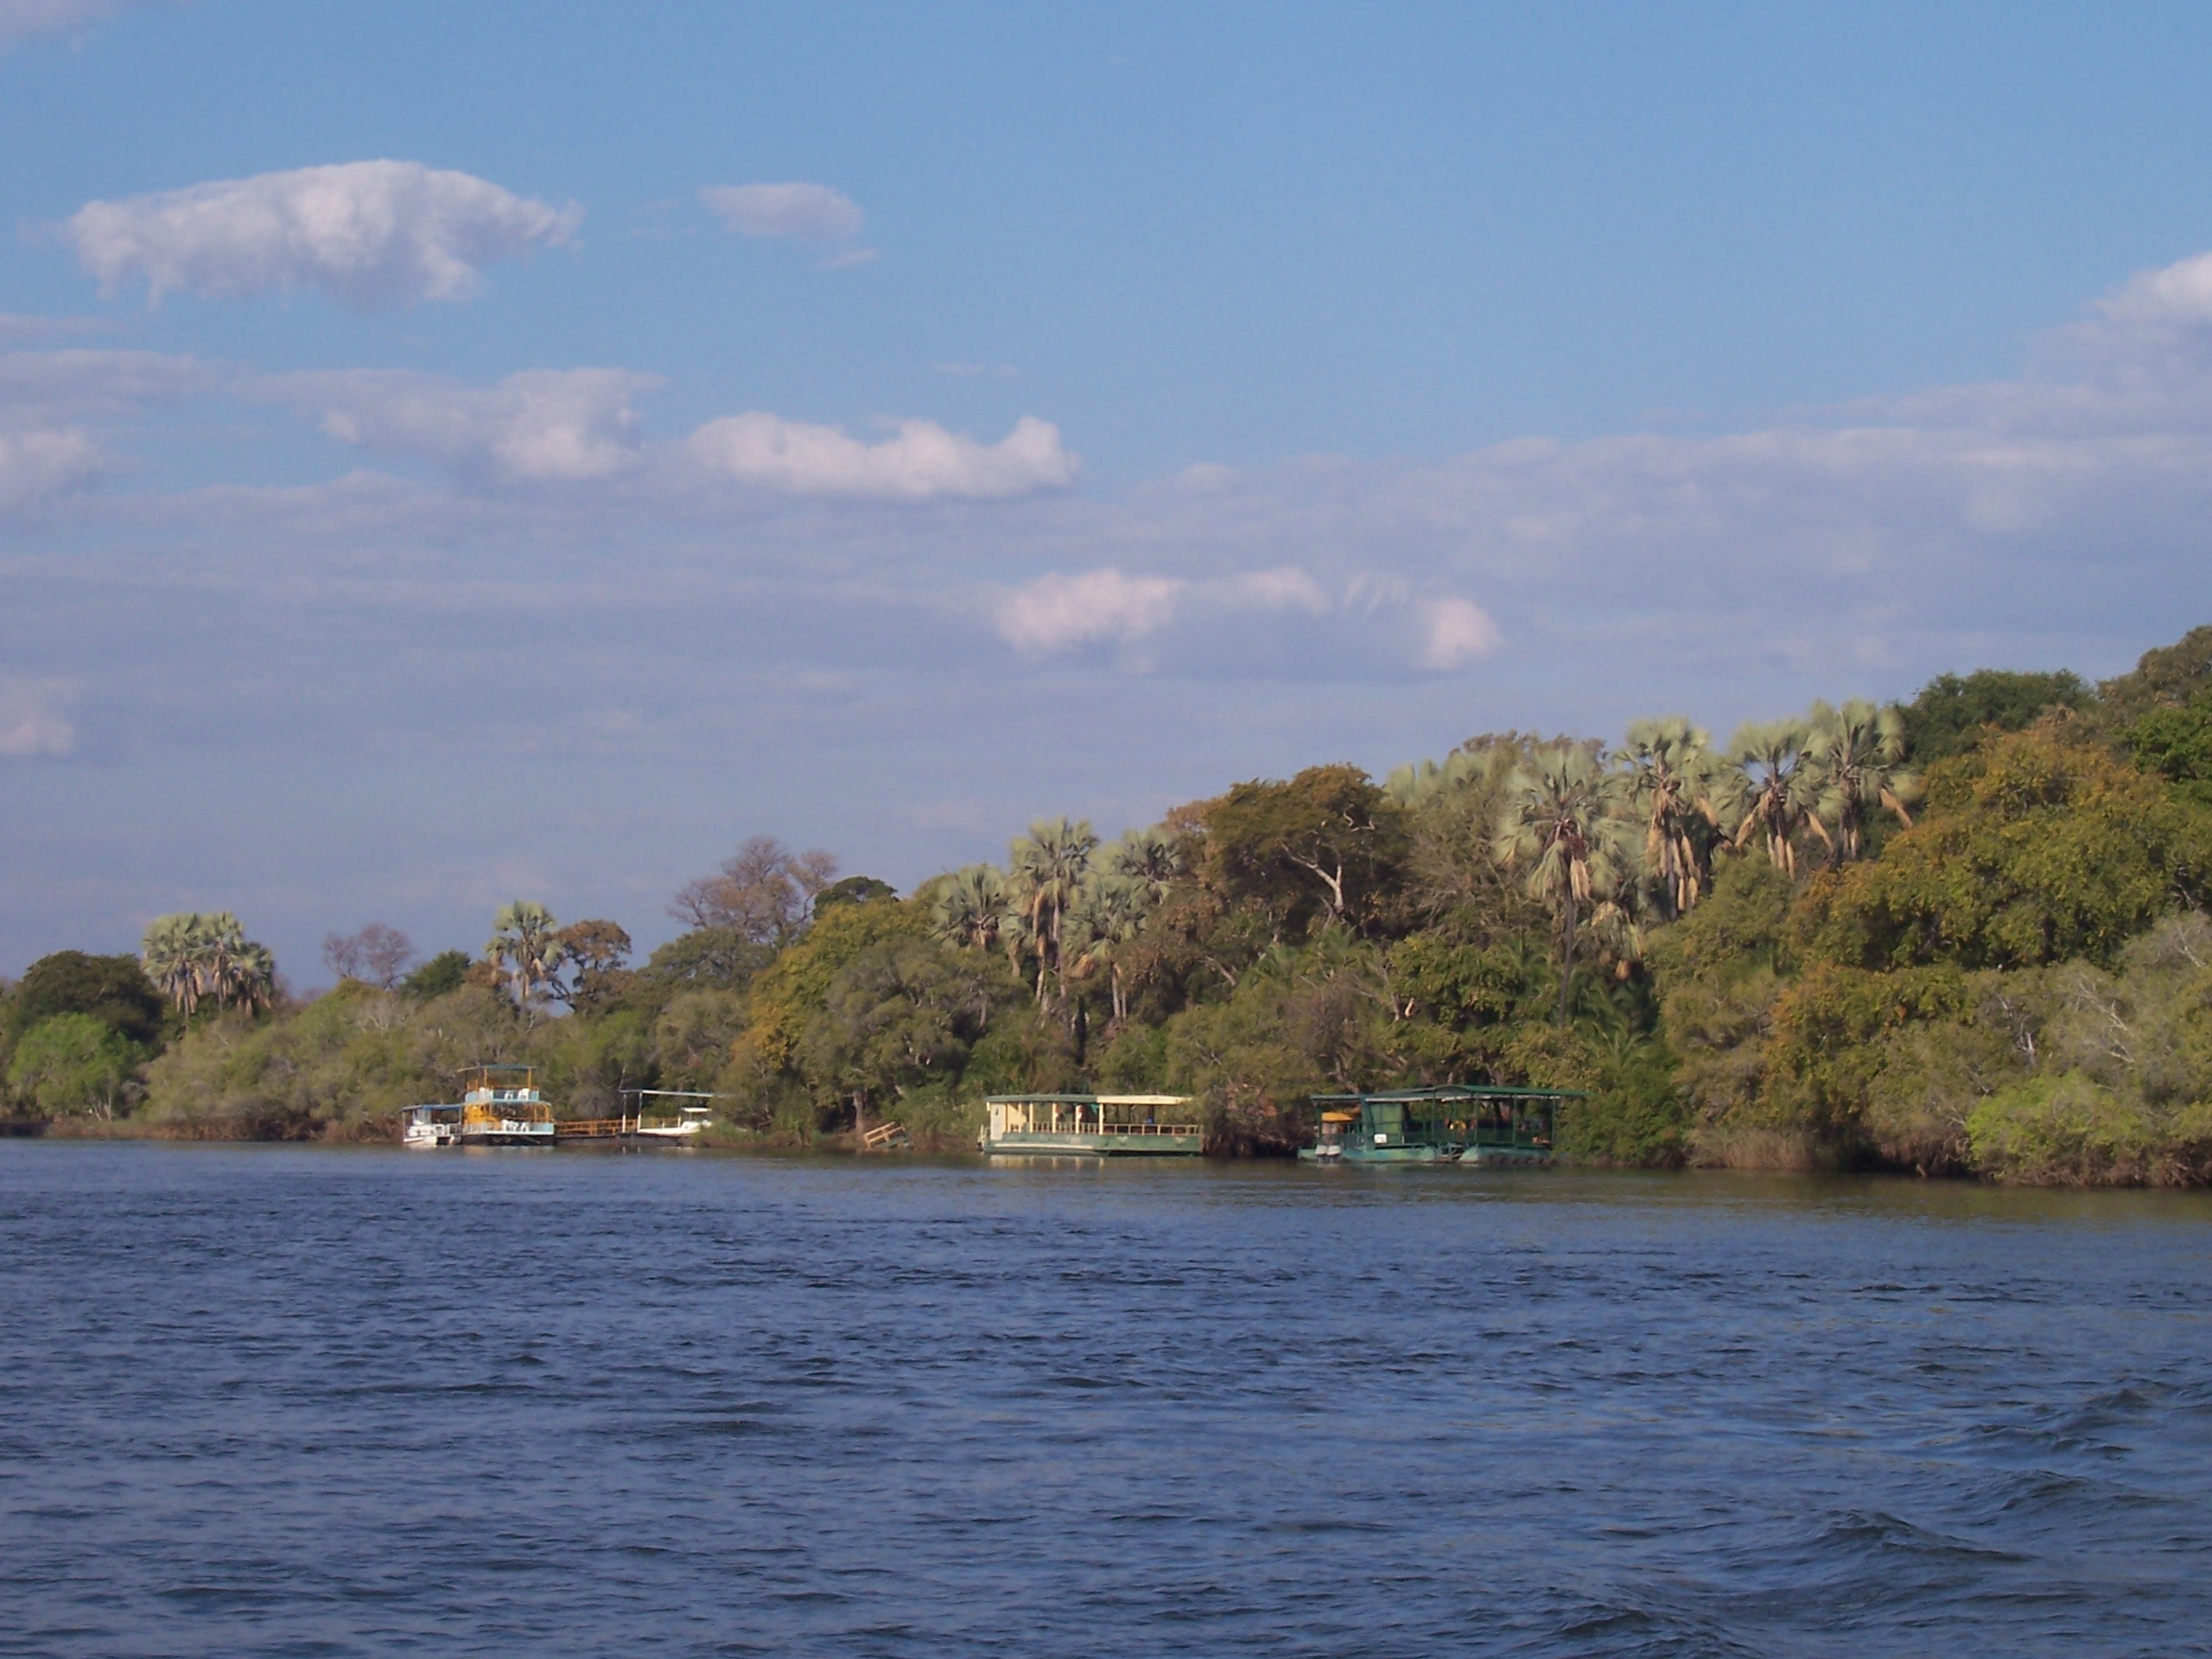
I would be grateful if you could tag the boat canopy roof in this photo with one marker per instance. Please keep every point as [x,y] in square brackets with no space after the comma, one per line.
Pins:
[1452,1091]
[1087,1100]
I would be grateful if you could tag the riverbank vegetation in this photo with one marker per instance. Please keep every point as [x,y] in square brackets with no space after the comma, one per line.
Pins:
[1965,935]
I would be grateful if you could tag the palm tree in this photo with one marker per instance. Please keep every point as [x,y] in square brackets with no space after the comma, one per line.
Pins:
[1770,789]
[1049,864]
[170,951]
[1671,780]
[524,948]
[1109,912]
[251,973]
[1855,759]
[1564,824]
[196,954]
[1152,858]
[971,907]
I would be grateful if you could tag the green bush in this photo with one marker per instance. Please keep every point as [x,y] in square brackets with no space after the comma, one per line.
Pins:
[74,1064]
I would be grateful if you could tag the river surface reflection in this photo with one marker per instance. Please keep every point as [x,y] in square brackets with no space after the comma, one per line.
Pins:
[273,1401]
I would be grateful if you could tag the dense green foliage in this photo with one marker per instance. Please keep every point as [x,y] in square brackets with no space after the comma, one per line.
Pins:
[111,990]
[1951,712]
[2176,744]
[1963,935]
[72,1063]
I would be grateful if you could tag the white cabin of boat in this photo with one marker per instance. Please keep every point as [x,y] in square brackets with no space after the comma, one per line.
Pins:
[1103,1124]
[430,1126]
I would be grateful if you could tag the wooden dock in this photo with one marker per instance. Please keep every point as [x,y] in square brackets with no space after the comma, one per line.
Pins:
[617,1129]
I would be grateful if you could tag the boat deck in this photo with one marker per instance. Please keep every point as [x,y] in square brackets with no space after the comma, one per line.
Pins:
[1094,1126]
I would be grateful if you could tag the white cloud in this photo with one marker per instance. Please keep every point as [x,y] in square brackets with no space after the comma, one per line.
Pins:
[31,718]
[1059,611]
[1457,631]
[543,425]
[372,234]
[809,212]
[1056,612]
[923,462]
[2180,293]
[37,466]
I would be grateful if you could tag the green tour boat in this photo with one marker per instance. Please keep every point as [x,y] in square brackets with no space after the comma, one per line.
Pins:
[1106,1126]
[1454,1123]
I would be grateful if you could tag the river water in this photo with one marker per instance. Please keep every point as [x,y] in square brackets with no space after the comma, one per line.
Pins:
[273,1401]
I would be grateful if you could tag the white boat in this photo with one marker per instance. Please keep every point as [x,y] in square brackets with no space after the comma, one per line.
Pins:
[500,1107]
[690,1120]
[430,1126]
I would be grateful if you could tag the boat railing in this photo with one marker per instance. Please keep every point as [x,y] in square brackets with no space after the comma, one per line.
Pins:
[507,1111]
[1120,1130]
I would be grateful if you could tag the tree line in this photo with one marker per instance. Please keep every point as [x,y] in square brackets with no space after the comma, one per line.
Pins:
[1962,934]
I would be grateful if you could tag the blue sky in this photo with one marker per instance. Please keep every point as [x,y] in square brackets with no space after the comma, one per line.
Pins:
[1101,405]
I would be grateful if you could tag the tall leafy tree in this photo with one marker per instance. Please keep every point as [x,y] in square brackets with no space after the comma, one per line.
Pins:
[1670,779]
[73,1063]
[1564,826]
[1855,764]
[1329,845]
[1953,712]
[113,990]
[595,953]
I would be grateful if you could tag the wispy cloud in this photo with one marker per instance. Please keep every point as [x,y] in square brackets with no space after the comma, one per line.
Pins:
[30,19]
[808,212]
[540,426]
[371,235]
[923,462]
[37,466]
[1055,612]
[34,719]
[796,211]
[42,386]
[1062,611]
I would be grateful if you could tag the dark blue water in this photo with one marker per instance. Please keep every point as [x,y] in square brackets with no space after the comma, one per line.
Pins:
[287,1402]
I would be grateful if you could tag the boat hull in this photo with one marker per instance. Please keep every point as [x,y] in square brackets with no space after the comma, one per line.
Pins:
[1405,1154]
[508,1133]
[1506,1156]
[1062,1143]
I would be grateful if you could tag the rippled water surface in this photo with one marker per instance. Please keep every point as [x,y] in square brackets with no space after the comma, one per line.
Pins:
[260,1400]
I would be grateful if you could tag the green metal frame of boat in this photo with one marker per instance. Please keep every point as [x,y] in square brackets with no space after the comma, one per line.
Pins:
[1454,1123]
[1105,1126]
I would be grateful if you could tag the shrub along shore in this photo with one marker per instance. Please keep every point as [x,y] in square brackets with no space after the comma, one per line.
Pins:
[1963,936]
